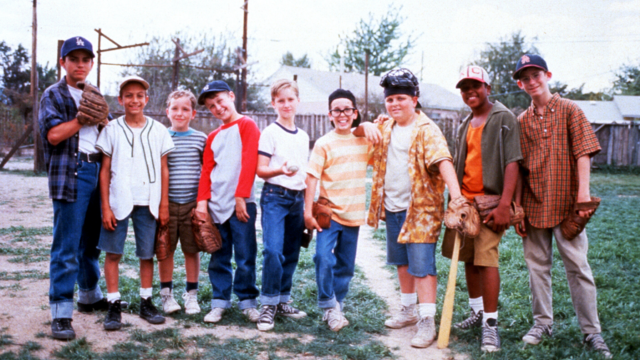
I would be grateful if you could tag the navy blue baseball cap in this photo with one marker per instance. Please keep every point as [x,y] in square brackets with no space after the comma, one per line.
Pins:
[212,87]
[76,43]
[527,61]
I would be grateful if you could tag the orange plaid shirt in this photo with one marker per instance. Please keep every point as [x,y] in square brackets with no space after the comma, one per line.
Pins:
[552,140]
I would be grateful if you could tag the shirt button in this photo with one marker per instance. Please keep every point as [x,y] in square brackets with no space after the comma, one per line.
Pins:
[75,173]
[545,130]
[551,110]
[540,117]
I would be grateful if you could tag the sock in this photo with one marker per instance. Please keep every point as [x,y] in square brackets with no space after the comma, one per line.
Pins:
[112,297]
[476,304]
[408,299]
[427,309]
[146,293]
[486,316]
[167,284]
[192,286]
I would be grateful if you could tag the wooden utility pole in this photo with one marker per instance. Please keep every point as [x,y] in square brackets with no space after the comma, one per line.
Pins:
[176,66]
[60,43]
[38,154]
[245,8]
[366,85]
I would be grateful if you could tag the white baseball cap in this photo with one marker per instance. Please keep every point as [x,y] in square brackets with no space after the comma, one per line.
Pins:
[134,78]
[474,72]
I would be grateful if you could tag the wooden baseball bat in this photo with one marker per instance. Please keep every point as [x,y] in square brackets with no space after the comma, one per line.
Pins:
[449,297]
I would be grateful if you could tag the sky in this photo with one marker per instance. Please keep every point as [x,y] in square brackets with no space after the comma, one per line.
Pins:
[583,41]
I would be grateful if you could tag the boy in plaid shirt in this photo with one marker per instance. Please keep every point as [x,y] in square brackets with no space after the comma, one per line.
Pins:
[557,145]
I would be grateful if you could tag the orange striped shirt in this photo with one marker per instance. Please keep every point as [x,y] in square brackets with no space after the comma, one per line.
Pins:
[340,163]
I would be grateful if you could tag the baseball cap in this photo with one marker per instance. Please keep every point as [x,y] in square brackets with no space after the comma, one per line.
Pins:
[400,81]
[76,43]
[212,87]
[345,94]
[474,72]
[529,60]
[134,78]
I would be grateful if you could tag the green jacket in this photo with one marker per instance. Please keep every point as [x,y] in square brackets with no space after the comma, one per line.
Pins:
[500,146]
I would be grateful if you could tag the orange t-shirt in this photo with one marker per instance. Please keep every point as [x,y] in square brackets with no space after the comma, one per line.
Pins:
[472,185]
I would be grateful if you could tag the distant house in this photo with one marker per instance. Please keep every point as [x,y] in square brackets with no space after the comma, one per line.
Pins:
[315,87]
[618,111]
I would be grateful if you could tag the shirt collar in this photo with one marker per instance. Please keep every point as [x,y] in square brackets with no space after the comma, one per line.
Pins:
[550,105]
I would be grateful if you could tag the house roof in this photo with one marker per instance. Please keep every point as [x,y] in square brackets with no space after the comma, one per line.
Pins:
[629,105]
[601,112]
[316,86]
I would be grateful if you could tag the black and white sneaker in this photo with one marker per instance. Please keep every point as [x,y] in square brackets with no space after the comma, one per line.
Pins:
[284,309]
[474,320]
[490,336]
[100,305]
[149,312]
[113,321]
[267,317]
[596,342]
[61,329]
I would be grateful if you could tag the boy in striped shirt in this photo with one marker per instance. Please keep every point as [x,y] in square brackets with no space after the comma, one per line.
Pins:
[185,164]
[339,162]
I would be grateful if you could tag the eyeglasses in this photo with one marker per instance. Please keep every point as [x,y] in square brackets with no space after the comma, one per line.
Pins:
[347,112]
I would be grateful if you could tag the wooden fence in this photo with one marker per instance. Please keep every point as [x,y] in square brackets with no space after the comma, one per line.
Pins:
[620,144]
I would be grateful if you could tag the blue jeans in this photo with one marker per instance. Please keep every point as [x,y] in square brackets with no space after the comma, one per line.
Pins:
[421,258]
[238,239]
[144,228]
[335,261]
[282,227]
[74,255]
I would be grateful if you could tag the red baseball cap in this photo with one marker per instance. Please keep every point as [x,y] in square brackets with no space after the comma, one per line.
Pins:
[474,72]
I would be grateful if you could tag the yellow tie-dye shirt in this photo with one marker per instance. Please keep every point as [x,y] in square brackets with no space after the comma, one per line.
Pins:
[426,207]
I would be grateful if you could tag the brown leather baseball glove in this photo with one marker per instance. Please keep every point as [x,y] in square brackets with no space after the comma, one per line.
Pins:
[573,225]
[486,203]
[462,217]
[205,232]
[322,212]
[93,108]
[163,243]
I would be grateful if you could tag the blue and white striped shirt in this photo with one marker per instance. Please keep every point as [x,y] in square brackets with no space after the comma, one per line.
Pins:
[185,164]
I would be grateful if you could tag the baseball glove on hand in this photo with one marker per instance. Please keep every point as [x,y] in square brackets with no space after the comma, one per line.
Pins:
[573,225]
[93,108]
[205,232]
[485,204]
[462,217]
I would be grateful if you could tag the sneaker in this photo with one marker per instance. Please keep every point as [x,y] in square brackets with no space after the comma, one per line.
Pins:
[474,320]
[113,321]
[267,317]
[596,342]
[490,336]
[61,329]
[534,336]
[426,333]
[191,302]
[252,314]
[214,315]
[334,318]
[408,315]
[100,305]
[169,304]
[284,309]
[149,312]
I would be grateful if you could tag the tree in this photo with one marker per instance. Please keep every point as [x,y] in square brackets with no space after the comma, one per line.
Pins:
[628,80]
[500,59]
[381,37]
[289,60]
[578,93]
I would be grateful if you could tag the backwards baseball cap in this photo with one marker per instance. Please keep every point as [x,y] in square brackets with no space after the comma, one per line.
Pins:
[527,61]
[345,94]
[400,81]
[212,87]
[76,43]
[136,79]
[474,72]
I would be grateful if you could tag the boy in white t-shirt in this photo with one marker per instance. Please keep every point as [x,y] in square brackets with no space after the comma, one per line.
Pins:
[282,155]
[134,183]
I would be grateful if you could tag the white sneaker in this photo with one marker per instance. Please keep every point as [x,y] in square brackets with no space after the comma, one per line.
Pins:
[408,315]
[252,314]
[169,304]
[334,318]
[191,302]
[426,333]
[214,315]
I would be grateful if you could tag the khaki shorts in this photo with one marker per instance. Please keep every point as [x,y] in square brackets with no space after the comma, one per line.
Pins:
[481,251]
[180,227]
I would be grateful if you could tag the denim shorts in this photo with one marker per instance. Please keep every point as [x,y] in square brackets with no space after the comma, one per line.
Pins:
[144,228]
[421,258]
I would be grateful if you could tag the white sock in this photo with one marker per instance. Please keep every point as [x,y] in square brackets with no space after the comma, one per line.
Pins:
[146,293]
[112,297]
[408,299]
[476,304]
[486,316]
[427,309]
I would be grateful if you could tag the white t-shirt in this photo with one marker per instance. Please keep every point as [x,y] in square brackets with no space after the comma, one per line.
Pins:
[281,144]
[397,183]
[88,134]
[139,179]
